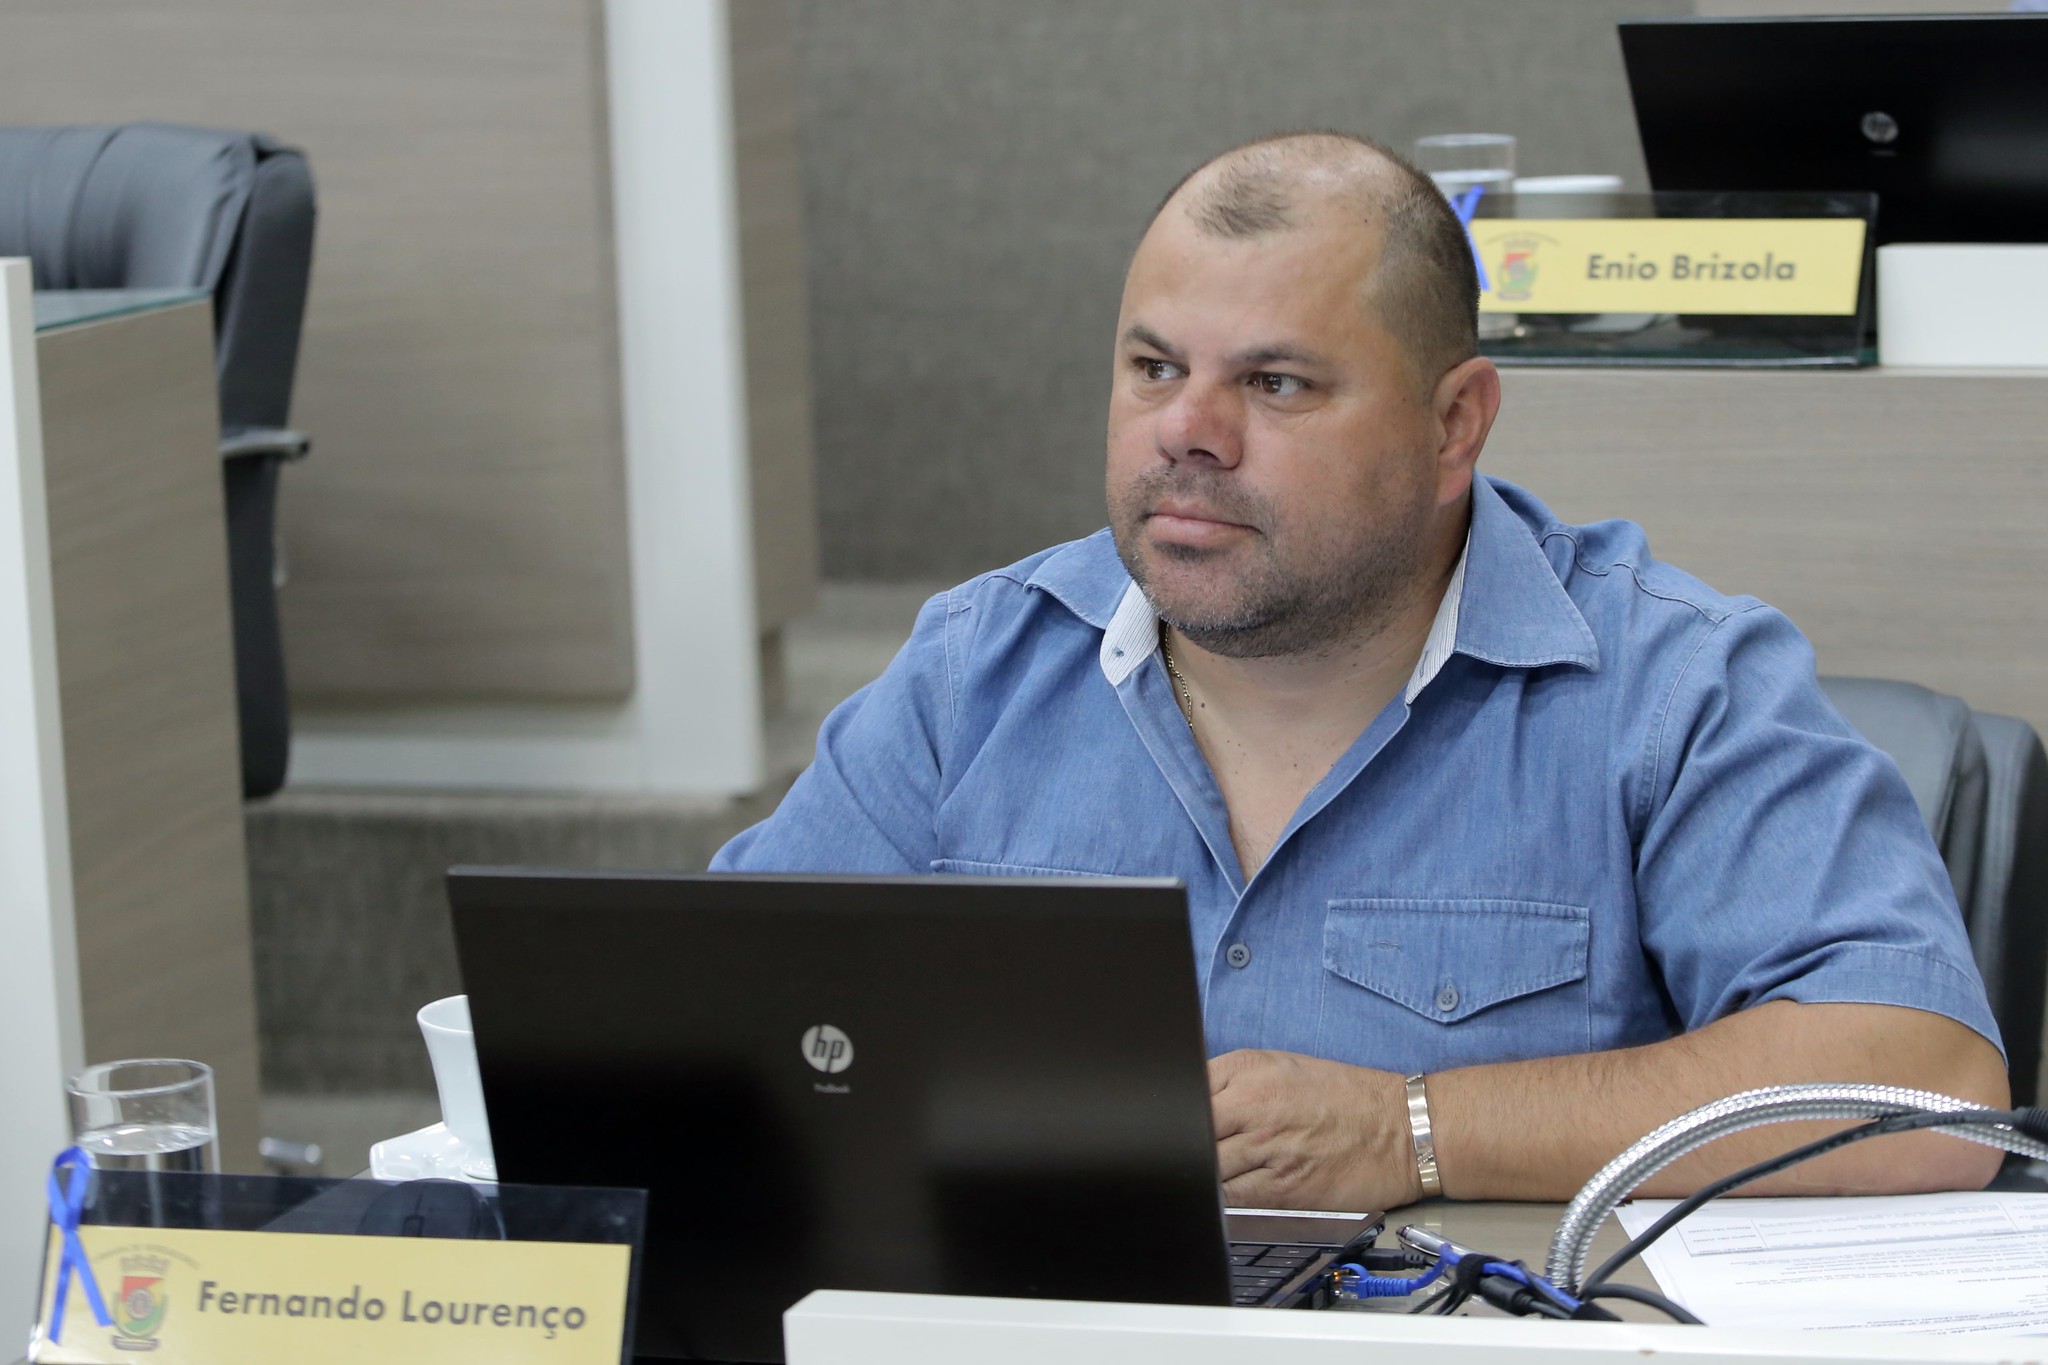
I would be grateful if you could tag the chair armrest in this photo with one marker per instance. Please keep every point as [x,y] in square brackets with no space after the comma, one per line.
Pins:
[253,441]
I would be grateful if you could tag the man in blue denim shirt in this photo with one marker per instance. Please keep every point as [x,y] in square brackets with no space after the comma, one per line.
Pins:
[1480,813]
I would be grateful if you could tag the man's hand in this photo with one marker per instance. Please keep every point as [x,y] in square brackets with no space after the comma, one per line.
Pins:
[1297,1132]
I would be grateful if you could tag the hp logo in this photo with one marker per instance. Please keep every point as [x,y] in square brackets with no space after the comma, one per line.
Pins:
[827,1049]
[1880,128]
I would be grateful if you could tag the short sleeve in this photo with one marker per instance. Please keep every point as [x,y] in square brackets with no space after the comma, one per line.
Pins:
[866,802]
[1782,856]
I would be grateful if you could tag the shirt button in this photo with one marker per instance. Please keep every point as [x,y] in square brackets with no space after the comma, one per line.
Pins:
[1238,955]
[1447,998]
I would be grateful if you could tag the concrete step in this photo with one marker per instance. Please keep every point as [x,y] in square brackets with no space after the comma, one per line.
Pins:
[350,920]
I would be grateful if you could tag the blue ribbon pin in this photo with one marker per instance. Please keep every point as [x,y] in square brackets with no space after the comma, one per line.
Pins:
[65,1206]
[1465,205]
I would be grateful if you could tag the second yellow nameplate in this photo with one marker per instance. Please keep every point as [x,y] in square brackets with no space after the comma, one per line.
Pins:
[1785,266]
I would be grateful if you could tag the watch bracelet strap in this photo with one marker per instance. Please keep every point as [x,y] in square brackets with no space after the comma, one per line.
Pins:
[1425,1141]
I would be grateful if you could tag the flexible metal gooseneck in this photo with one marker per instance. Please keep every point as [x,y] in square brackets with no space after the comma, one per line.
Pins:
[1750,1109]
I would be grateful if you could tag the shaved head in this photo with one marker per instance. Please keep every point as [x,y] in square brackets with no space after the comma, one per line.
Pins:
[1423,288]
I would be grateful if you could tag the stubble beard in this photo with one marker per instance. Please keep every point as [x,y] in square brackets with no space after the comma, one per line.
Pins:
[1277,607]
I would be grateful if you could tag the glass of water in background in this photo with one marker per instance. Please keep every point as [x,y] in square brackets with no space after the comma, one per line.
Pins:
[155,1114]
[1458,161]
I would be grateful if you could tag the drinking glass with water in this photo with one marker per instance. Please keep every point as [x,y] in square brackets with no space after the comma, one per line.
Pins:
[1458,161]
[155,1114]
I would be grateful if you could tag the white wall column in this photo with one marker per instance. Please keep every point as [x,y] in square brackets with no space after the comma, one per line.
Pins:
[677,224]
[694,722]
[41,1034]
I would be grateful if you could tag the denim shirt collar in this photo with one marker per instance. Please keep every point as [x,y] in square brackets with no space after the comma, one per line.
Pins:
[1513,612]
[1516,613]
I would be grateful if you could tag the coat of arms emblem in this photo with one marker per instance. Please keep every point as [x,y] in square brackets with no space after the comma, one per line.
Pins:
[139,1311]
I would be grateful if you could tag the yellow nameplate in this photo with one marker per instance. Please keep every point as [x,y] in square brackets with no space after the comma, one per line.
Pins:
[1784,266]
[188,1297]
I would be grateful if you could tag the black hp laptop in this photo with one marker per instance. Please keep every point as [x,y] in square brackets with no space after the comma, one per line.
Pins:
[1944,117]
[954,1085]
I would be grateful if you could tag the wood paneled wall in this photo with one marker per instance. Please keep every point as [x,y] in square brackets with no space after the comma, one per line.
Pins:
[776,316]
[460,531]
[460,528]
[1899,517]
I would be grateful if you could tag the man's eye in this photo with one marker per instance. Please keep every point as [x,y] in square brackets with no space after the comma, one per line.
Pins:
[1156,370]
[1280,385]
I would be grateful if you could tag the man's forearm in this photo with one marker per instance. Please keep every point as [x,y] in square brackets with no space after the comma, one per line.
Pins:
[1540,1129]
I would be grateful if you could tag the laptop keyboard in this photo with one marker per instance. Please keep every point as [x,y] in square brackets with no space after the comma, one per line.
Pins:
[1258,1269]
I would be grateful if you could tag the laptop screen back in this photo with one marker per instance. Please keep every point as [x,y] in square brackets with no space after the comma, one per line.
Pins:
[956,1085]
[1943,116]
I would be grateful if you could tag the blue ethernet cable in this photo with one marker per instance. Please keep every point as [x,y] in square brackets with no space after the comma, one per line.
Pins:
[1367,1285]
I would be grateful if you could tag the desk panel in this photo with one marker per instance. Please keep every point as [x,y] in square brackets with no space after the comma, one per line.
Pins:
[145,668]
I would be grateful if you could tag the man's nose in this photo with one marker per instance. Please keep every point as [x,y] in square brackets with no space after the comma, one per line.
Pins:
[1205,423]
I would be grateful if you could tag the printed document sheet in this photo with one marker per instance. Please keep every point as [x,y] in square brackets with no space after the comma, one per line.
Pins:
[1927,1263]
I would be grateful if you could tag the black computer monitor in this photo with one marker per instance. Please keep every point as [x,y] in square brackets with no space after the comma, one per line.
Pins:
[1945,117]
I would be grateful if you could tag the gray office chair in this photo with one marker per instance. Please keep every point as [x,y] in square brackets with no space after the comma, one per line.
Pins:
[1981,782]
[149,205]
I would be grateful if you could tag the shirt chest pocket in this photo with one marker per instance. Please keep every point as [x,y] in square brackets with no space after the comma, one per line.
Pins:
[1420,985]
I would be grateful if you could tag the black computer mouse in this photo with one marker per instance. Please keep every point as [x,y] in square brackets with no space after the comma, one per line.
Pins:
[431,1208]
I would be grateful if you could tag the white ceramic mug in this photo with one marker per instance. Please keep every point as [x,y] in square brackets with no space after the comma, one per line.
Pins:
[451,1048]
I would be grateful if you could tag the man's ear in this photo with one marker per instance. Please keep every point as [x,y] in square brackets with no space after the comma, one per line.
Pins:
[1464,402]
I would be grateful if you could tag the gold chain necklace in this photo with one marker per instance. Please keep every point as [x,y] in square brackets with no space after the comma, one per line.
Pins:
[1187,702]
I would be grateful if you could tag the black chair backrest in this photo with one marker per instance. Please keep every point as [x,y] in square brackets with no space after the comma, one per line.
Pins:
[160,206]
[2012,889]
[1981,782]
